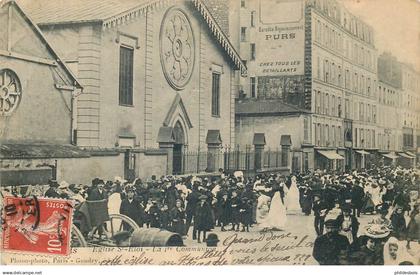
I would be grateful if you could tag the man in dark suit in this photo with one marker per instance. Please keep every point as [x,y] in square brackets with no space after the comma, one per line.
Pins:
[320,211]
[330,248]
[357,195]
[98,192]
[192,201]
[131,207]
[52,191]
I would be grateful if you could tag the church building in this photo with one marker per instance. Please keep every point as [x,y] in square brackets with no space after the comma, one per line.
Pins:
[158,81]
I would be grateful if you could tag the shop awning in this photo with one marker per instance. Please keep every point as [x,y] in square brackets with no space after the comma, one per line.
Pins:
[404,155]
[16,177]
[411,154]
[362,152]
[329,154]
[391,156]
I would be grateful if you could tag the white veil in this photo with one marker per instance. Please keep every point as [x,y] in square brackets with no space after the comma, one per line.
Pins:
[402,253]
[292,197]
[276,218]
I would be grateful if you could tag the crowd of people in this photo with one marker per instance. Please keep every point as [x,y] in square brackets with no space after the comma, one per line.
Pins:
[193,206]
[392,194]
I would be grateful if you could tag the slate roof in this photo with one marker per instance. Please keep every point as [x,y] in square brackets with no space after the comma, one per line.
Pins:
[111,13]
[265,107]
[70,11]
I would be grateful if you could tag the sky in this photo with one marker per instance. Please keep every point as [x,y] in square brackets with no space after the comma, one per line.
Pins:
[396,24]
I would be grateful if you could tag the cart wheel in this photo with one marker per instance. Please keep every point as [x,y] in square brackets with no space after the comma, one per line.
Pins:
[77,239]
[116,223]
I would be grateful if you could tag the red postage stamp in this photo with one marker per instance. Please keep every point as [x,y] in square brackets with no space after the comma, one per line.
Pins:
[37,225]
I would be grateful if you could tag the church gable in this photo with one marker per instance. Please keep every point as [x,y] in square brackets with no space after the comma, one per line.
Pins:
[177,110]
[20,38]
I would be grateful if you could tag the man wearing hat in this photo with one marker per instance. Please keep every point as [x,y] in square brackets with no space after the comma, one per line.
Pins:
[357,195]
[203,218]
[234,205]
[52,190]
[330,247]
[97,192]
[320,209]
[131,207]
[348,224]
[192,201]
[212,240]
[224,209]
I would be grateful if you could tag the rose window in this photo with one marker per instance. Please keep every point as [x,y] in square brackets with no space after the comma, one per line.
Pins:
[10,91]
[177,48]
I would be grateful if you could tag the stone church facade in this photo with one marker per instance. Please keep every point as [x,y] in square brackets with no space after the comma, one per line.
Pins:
[158,79]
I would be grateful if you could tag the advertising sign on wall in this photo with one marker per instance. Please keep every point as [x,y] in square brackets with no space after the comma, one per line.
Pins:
[281,36]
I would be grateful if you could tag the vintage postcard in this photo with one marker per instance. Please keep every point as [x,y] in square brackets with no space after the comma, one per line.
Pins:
[210,132]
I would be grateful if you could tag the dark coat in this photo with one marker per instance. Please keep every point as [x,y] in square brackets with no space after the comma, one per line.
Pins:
[165,220]
[51,193]
[365,256]
[354,224]
[328,247]
[153,215]
[96,195]
[398,225]
[143,195]
[357,195]
[344,195]
[224,211]
[192,201]
[177,217]
[402,200]
[235,204]
[389,196]
[171,195]
[318,207]
[413,228]
[203,218]
[368,205]
[306,201]
[133,210]
[246,212]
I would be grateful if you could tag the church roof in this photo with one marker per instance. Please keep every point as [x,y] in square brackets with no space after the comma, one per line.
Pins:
[50,12]
[61,68]
[111,13]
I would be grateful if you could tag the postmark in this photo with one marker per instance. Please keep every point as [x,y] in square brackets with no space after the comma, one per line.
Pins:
[37,225]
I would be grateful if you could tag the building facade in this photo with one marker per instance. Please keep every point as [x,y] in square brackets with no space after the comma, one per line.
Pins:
[37,98]
[323,62]
[398,99]
[410,103]
[158,80]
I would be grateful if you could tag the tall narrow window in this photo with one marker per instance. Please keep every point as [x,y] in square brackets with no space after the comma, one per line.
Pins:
[126,76]
[215,94]
[306,129]
[253,14]
[253,51]
[253,87]
[243,34]
[326,71]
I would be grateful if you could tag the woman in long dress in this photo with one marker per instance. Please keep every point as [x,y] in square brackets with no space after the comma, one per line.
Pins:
[292,198]
[276,218]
